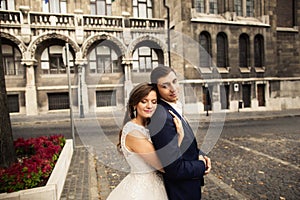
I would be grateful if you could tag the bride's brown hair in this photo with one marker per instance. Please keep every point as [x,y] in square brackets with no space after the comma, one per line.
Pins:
[136,95]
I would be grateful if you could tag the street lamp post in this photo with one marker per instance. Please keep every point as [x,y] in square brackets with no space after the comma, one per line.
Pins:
[81,111]
[206,98]
[66,61]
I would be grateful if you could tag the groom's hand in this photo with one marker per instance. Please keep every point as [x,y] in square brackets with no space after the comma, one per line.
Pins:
[208,165]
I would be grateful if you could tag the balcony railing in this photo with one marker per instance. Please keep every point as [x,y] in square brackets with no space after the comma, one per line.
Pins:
[36,20]
[10,17]
[42,19]
[102,21]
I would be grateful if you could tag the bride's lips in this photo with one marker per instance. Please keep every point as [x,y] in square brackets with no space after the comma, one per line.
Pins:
[173,95]
[148,111]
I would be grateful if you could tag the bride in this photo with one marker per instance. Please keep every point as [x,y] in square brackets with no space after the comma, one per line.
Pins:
[144,182]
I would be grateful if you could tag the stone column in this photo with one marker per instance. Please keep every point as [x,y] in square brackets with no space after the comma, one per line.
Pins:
[83,100]
[30,91]
[127,83]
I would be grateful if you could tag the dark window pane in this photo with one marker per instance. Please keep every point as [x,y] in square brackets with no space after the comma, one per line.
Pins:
[13,103]
[258,51]
[105,98]
[58,101]
[244,50]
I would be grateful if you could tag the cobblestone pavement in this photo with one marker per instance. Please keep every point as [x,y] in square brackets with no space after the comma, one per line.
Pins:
[76,185]
[262,166]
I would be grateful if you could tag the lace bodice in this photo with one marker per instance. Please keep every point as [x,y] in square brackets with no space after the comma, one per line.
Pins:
[136,163]
[143,182]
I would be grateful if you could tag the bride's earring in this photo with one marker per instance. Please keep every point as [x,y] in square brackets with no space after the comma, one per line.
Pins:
[135,112]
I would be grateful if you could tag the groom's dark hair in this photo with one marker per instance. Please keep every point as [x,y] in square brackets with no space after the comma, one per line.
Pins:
[158,72]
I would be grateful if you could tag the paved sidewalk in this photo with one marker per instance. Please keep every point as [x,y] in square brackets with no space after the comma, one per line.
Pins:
[87,180]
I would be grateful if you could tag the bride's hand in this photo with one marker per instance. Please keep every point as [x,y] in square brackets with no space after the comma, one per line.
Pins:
[179,127]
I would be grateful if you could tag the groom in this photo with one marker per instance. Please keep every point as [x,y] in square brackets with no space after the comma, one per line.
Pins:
[184,165]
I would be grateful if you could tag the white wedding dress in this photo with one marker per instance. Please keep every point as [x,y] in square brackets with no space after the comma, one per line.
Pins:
[143,182]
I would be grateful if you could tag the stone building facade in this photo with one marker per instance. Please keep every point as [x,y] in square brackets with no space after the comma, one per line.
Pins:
[230,55]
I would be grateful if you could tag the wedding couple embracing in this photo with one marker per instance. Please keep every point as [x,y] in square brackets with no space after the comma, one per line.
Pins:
[159,144]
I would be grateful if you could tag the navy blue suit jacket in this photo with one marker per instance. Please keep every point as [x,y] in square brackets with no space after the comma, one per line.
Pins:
[183,175]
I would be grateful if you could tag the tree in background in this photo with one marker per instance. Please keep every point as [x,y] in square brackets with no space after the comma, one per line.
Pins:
[7,150]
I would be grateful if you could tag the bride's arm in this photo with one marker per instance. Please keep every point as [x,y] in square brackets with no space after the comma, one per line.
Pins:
[142,146]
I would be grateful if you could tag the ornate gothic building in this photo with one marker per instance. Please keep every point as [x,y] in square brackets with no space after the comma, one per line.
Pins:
[230,55]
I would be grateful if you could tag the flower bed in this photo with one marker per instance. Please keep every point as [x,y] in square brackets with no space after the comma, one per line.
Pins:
[42,166]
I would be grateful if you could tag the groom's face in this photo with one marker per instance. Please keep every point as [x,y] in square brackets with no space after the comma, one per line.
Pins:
[168,87]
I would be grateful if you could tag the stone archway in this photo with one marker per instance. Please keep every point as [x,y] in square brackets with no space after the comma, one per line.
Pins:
[47,36]
[152,42]
[100,37]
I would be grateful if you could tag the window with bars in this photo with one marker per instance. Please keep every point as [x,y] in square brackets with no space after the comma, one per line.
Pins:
[11,58]
[142,8]
[205,49]
[259,51]
[222,50]
[104,59]
[57,101]
[13,103]
[100,7]
[244,50]
[144,59]
[52,61]
[54,6]
[106,98]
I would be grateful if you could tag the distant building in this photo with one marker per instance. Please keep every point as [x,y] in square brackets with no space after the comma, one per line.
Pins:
[231,55]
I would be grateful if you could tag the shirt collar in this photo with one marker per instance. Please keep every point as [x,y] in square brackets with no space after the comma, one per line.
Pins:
[177,106]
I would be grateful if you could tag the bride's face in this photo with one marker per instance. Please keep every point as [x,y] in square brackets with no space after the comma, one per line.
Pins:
[146,107]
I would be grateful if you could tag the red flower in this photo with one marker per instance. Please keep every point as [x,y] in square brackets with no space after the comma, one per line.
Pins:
[36,159]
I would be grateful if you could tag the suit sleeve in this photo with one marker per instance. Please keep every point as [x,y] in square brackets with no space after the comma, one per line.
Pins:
[164,138]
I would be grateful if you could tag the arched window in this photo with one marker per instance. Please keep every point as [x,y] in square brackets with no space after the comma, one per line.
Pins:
[100,7]
[52,61]
[244,50]
[205,49]
[222,50]
[145,59]
[11,57]
[55,6]
[259,51]
[142,8]
[104,59]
